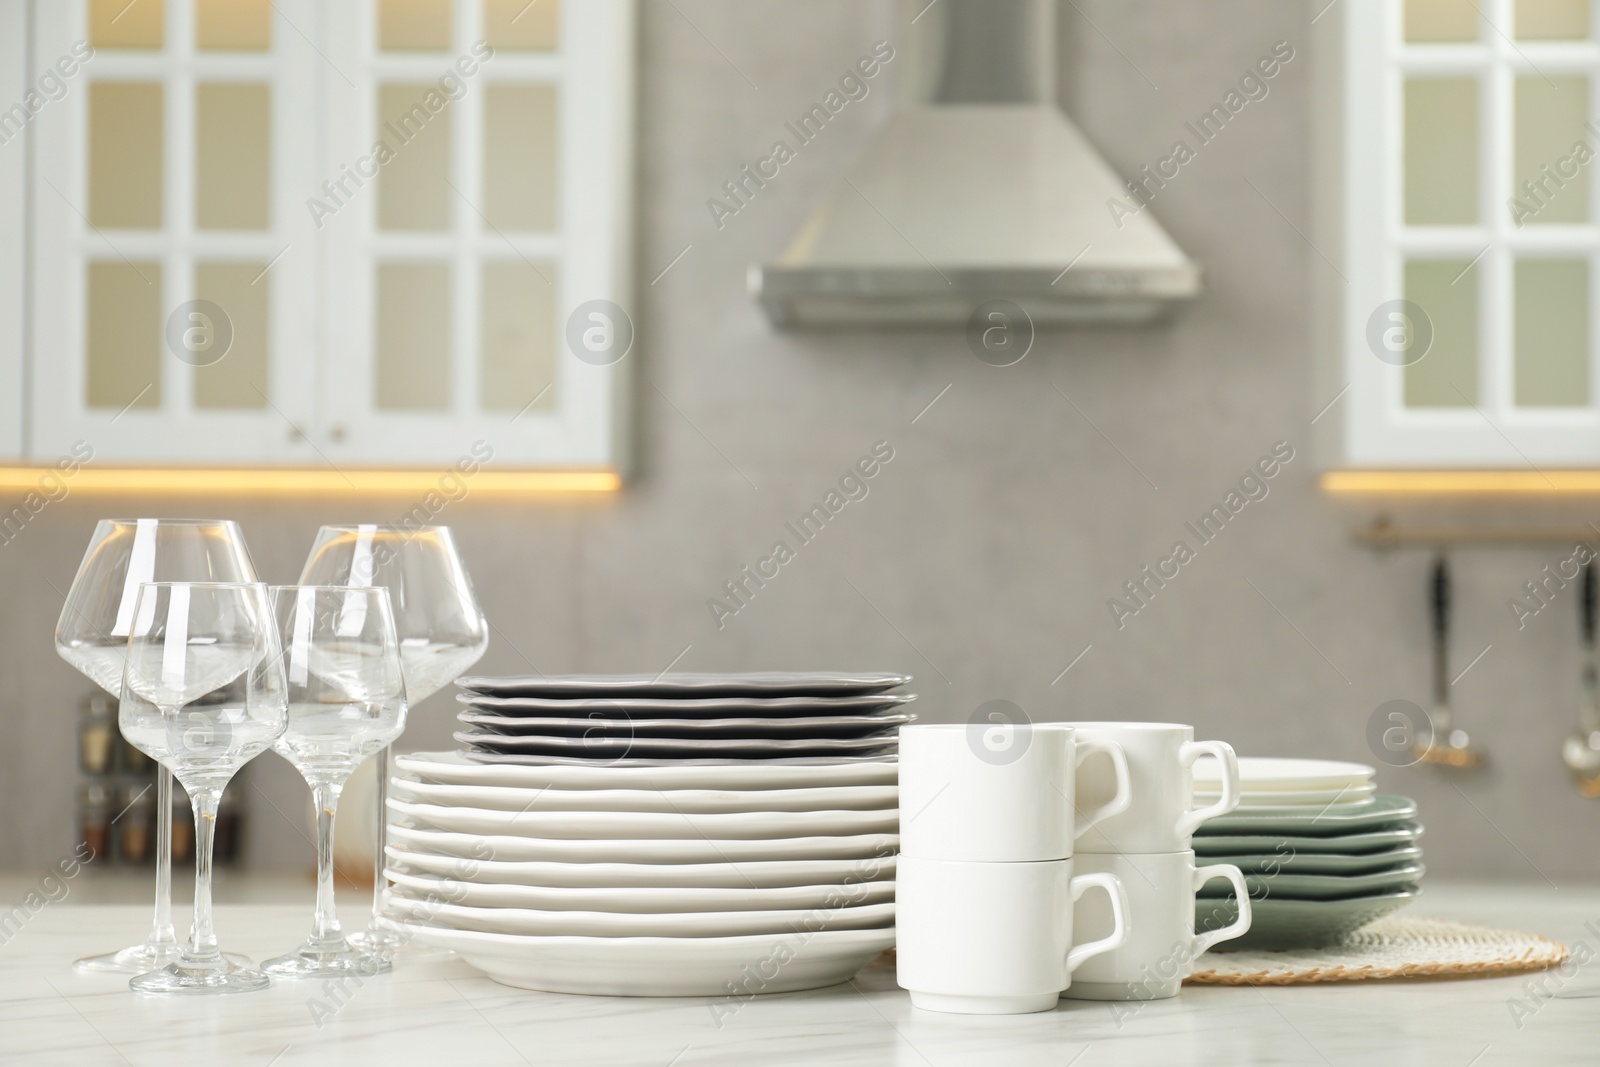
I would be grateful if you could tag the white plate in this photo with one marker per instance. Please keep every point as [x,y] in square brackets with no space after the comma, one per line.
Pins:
[642,924]
[724,968]
[862,847]
[455,768]
[511,798]
[750,683]
[1291,797]
[745,874]
[590,825]
[637,899]
[1260,772]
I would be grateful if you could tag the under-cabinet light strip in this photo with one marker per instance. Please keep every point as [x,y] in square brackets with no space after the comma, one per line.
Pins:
[51,482]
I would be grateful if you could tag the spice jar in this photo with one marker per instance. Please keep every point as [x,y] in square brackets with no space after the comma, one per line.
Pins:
[97,733]
[136,825]
[182,816]
[94,817]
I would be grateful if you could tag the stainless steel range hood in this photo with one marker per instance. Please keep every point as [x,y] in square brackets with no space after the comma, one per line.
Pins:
[979,189]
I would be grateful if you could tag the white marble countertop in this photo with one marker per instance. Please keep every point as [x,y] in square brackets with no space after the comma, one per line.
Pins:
[446,1013]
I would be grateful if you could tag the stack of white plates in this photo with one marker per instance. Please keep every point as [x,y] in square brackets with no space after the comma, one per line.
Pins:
[693,835]
[1322,852]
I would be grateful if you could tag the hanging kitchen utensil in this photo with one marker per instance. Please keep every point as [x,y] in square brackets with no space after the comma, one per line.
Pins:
[1581,751]
[1449,746]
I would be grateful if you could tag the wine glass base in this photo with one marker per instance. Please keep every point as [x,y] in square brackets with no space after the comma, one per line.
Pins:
[327,960]
[142,959]
[390,945]
[138,959]
[189,977]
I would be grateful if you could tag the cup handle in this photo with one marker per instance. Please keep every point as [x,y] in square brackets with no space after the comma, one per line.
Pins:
[1119,915]
[1119,801]
[1193,750]
[1239,926]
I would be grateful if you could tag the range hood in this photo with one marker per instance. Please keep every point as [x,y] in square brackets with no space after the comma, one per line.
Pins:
[978,189]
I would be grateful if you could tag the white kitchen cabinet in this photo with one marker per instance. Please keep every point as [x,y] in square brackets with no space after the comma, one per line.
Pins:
[1459,240]
[393,207]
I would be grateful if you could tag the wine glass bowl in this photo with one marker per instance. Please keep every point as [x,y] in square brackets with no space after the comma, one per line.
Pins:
[92,636]
[441,631]
[184,637]
[346,701]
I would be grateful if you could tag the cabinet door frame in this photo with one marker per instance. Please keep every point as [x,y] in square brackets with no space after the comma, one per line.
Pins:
[1371,240]
[176,432]
[591,249]
[16,73]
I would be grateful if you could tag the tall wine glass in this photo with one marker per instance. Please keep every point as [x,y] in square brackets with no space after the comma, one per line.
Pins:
[346,701]
[204,693]
[92,635]
[442,633]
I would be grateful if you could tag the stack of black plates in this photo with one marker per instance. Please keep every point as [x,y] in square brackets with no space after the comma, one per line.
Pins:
[646,720]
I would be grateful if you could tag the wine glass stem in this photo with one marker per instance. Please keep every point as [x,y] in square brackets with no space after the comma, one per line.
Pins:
[379,883]
[203,936]
[161,932]
[325,927]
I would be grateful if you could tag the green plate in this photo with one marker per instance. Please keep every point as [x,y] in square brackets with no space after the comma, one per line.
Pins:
[1379,813]
[1277,923]
[1320,886]
[1293,862]
[1285,844]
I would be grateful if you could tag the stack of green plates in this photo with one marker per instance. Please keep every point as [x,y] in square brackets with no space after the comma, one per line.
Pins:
[1316,871]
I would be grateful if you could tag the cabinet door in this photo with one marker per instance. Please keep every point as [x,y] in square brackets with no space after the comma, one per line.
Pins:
[174,262]
[480,202]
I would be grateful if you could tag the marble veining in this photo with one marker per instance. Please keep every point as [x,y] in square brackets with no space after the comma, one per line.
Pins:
[446,1013]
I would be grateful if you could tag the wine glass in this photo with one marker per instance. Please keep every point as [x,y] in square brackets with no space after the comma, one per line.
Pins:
[346,701]
[441,628]
[204,693]
[92,635]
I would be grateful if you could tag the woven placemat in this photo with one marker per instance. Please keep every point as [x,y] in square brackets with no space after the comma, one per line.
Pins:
[1396,946]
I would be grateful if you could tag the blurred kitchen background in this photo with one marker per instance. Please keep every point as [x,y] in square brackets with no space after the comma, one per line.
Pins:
[1019,499]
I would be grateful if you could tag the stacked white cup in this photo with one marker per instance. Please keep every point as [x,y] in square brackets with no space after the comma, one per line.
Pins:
[985,883]
[1149,846]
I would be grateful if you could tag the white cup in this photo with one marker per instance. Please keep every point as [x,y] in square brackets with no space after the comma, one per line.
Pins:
[1160,758]
[994,938]
[1161,946]
[999,791]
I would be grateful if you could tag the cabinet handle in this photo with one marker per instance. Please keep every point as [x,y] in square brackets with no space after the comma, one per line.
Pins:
[296,433]
[336,433]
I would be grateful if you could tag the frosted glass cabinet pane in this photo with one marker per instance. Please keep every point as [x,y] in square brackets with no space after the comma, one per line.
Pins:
[1448,375]
[233,25]
[522,25]
[519,335]
[125,148]
[239,378]
[120,24]
[1441,20]
[1441,151]
[1550,118]
[520,157]
[1552,20]
[413,188]
[414,25]
[413,331]
[123,347]
[233,168]
[1552,332]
